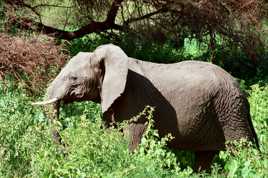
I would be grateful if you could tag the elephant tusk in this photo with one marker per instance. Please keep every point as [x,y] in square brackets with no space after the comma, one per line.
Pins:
[51,101]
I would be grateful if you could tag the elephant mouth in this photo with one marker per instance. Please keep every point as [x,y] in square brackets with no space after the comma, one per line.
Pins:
[81,97]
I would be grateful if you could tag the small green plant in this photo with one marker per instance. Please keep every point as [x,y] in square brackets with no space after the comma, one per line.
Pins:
[243,161]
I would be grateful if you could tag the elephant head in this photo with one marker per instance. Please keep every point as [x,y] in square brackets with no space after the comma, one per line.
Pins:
[99,76]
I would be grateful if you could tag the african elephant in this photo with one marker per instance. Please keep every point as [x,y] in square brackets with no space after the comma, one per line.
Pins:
[199,103]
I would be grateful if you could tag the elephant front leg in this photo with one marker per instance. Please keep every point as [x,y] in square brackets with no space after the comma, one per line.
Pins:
[109,118]
[134,133]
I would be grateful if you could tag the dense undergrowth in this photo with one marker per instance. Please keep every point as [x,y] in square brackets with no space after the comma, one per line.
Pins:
[27,149]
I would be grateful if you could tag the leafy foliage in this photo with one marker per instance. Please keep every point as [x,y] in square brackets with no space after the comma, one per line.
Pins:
[232,59]
[238,22]
[27,150]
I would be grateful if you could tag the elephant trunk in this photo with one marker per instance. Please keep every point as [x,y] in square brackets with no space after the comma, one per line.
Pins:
[55,124]
[52,102]
[54,112]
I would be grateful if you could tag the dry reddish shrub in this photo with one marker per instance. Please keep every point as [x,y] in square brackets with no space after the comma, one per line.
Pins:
[19,56]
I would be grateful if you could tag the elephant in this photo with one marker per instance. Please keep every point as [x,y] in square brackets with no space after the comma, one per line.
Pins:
[198,103]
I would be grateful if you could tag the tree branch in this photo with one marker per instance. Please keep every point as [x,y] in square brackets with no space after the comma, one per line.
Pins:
[144,16]
[92,27]
[111,15]
[51,5]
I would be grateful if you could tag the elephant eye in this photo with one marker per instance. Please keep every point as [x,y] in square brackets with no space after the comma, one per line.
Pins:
[73,78]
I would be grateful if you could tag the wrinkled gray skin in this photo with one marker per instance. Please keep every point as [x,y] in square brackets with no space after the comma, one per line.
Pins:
[199,103]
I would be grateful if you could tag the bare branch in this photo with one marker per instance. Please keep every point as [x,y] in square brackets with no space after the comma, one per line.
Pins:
[92,27]
[131,20]
[113,11]
[51,31]
[52,5]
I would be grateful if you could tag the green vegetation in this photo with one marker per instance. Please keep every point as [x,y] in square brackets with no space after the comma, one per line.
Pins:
[27,149]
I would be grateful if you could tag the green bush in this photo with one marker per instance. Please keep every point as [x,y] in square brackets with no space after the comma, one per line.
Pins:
[228,56]
[27,149]
[2,16]
[138,48]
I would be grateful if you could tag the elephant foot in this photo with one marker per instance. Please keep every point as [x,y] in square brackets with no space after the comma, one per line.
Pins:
[204,159]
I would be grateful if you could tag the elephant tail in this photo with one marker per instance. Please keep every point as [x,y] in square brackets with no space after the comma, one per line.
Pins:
[254,134]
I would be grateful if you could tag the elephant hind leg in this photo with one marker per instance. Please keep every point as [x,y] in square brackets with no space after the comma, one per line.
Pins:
[204,159]
[135,132]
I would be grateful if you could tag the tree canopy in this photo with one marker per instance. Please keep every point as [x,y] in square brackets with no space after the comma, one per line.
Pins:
[238,21]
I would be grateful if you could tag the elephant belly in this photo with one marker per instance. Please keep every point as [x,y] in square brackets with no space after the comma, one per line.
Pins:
[195,125]
[199,130]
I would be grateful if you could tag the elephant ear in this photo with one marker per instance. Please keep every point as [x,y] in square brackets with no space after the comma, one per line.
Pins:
[116,69]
